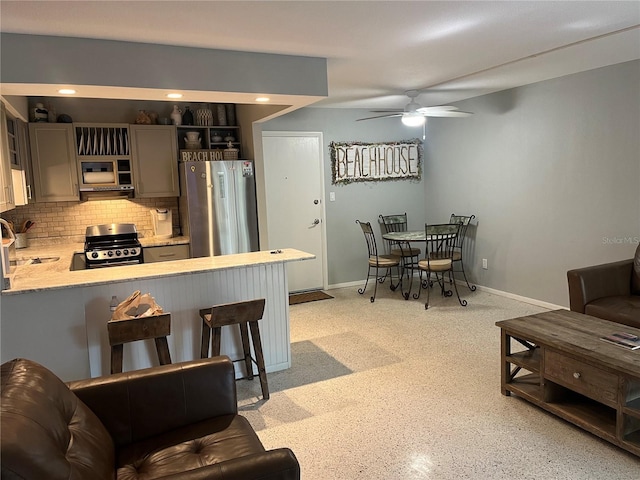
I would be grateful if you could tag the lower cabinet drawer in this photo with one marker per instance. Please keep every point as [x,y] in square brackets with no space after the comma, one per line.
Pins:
[165,253]
[581,377]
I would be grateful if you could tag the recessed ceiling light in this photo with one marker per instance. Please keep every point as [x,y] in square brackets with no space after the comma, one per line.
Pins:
[262,99]
[67,91]
[174,95]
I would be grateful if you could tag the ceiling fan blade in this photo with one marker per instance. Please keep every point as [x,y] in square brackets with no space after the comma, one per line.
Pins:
[381,116]
[441,108]
[447,113]
[387,111]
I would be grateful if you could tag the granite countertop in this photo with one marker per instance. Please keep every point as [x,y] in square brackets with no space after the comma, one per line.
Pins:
[66,250]
[57,274]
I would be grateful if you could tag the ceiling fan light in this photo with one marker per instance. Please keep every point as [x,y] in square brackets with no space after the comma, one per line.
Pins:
[413,119]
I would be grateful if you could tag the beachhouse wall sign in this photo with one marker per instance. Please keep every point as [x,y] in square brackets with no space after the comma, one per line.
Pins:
[374,162]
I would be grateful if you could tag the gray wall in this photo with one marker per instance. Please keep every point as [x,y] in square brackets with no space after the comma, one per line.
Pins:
[346,248]
[551,171]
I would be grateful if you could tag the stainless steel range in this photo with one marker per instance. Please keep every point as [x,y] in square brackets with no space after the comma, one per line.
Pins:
[112,245]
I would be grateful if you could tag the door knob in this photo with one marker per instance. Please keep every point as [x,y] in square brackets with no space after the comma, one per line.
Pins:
[315,202]
[316,221]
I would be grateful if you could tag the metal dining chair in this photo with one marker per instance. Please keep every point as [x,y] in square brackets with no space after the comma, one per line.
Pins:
[377,262]
[408,254]
[464,222]
[439,252]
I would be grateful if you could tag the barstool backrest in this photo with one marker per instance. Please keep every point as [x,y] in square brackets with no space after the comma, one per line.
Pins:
[237,312]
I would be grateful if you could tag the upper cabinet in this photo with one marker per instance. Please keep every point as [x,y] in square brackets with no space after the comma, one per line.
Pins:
[53,157]
[6,192]
[153,152]
[21,167]
[104,161]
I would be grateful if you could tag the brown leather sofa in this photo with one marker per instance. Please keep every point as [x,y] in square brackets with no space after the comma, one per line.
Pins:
[610,291]
[175,421]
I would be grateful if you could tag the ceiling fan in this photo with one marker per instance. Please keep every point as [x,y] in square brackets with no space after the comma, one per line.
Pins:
[414,115]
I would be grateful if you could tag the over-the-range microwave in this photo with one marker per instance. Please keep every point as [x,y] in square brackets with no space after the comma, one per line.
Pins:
[106,175]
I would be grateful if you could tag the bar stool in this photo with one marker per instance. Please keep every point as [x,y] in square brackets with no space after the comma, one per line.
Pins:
[243,314]
[157,327]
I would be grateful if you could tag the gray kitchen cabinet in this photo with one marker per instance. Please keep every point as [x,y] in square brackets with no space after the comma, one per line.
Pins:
[22,172]
[165,253]
[155,168]
[16,167]
[53,158]
[6,186]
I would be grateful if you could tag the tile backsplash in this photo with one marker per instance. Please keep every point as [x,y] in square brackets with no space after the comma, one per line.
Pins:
[67,221]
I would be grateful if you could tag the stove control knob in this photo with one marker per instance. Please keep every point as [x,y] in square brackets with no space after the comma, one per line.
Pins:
[133,251]
[125,252]
[110,253]
[118,253]
[94,254]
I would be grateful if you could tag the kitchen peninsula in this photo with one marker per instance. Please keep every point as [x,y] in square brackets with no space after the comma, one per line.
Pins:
[58,317]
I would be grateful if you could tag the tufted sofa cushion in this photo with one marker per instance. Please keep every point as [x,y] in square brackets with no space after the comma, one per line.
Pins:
[177,451]
[620,309]
[47,432]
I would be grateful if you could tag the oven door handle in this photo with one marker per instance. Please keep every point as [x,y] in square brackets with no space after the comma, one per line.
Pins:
[113,264]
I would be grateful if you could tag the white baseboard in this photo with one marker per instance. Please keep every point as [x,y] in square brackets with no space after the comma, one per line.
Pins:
[345,285]
[531,301]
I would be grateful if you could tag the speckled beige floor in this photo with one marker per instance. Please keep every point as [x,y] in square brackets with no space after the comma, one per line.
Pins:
[391,391]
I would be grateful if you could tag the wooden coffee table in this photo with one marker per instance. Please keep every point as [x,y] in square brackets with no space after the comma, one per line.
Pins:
[557,361]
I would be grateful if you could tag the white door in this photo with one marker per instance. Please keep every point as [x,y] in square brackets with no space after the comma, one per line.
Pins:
[295,210]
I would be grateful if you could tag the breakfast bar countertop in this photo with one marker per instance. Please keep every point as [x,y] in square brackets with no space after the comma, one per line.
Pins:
[57,274]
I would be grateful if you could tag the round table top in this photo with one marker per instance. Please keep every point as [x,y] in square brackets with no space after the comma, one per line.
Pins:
[411,236]
[417,236]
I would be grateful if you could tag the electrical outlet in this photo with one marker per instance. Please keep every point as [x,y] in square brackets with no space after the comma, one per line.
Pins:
[485,264]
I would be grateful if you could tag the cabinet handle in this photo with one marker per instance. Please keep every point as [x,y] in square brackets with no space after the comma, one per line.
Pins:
[29,192]
[167,255]
[576,375]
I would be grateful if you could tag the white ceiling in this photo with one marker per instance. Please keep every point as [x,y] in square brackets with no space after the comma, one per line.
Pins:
[376,50]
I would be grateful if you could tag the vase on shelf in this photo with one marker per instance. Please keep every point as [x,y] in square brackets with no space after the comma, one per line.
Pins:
[187,116]
[231,114]
[204,116]
[221,114]
[176,115]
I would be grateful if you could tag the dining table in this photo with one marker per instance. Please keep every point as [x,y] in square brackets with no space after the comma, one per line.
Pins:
[406,238]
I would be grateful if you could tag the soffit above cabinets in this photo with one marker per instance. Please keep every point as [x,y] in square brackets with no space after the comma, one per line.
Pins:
[125,70]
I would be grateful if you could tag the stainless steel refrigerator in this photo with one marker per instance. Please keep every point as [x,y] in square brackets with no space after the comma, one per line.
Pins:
[218,209]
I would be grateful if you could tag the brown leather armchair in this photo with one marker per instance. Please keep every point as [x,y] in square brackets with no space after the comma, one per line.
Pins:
[175,421]
[610,291]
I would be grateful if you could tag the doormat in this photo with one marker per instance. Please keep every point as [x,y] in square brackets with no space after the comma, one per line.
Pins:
[305,297]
